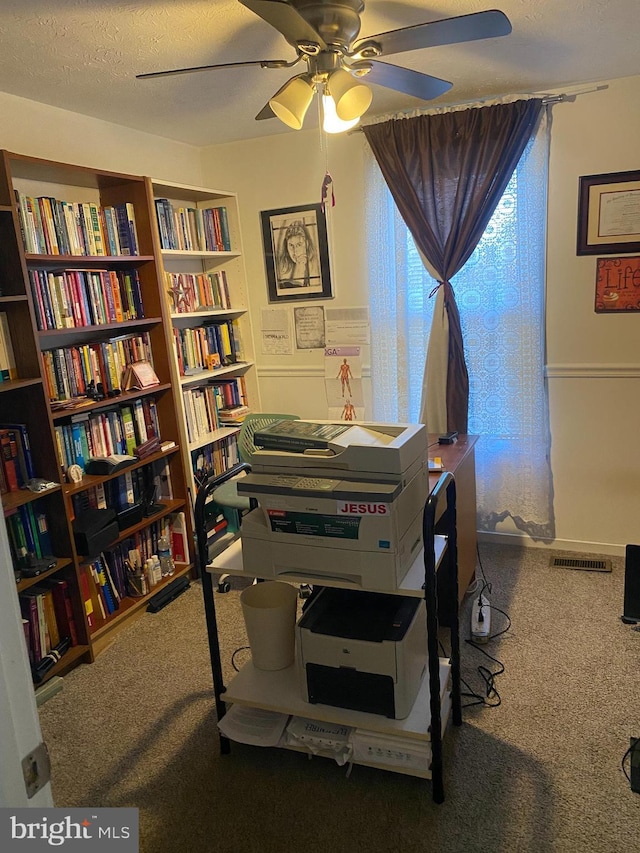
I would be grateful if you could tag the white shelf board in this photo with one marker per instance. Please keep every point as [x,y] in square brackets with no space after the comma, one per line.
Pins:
[168,254]
[280,691]
[211,437]
[210,312]
[230,562]
[206,375]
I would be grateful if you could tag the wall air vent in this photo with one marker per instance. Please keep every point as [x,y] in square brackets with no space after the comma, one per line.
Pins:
[582,565]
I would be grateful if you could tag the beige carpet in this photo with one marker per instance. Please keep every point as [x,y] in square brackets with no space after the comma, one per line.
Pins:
[540,773]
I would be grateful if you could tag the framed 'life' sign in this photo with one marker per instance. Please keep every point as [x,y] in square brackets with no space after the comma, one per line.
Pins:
[618,284]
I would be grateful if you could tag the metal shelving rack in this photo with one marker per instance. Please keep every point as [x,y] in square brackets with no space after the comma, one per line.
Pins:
[433,576]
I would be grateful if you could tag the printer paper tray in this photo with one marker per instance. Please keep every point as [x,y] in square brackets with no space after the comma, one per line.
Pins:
[230,562]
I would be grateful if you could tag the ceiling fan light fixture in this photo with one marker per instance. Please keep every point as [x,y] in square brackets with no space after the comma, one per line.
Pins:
[331,122]
[352,98]
[291,102]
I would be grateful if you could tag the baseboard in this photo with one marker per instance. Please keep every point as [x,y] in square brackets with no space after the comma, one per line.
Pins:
[524,541]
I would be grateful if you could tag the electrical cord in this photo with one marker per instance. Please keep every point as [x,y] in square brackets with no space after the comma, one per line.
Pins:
[634,745]
[233,656]
[491,697]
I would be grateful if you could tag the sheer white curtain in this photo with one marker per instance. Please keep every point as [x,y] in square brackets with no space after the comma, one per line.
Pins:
[500,294]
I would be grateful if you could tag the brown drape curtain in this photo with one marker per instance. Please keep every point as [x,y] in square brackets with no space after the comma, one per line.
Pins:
[447,173]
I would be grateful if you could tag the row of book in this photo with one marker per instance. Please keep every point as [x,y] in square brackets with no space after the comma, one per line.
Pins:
[193,229]
[77,370]
[28,531]
[118,429]
[198,291]
[7,356]
[152,481]
[47,618]
[75,298]
[207,347]
[203,405]
[118,574]
[132,488]
[53,227]
[214,459]
[16,464]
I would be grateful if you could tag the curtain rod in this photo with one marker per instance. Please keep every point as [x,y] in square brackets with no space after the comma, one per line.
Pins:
[569,95]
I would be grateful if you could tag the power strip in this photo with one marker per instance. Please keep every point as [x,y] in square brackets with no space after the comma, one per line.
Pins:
[480,619]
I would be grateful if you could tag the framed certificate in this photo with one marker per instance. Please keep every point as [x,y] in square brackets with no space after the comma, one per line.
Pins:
[609,214]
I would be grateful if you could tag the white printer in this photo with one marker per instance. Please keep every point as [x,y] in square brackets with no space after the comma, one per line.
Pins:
[362,651]
[347,510]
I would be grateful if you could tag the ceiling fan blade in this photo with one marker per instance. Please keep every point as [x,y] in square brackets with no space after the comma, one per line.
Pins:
[480,25]
[265,112]
[263,63]
[286,20]
[403,80]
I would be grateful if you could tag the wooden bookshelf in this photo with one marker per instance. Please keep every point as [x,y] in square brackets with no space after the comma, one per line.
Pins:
[24,272]
[197,260]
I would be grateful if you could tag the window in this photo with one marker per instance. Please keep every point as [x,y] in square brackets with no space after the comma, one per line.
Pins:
[500,296]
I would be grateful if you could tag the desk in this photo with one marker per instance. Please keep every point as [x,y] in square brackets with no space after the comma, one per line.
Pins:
[459,460]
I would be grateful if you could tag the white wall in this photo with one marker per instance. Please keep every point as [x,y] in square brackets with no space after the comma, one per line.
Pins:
[28,127]
[284,171]
[594,360]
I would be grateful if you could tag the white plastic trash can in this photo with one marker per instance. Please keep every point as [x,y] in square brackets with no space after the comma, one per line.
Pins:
[269,610]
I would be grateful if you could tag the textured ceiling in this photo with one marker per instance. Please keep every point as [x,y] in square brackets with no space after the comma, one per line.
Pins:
[83,55]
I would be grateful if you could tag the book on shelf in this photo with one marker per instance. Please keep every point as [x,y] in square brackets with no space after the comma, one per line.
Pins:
[198,291]
[179,543]
[7,357]
[10,465]
[50,226]
[22,449]
[297,435]
[29,537]
[233,415]
[63,607]
[37,607]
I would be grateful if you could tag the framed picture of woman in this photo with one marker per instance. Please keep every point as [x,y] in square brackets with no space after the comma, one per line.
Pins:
[296,253]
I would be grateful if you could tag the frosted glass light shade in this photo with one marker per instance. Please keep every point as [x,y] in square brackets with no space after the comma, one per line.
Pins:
[291,102]
[351,97]
[331,123]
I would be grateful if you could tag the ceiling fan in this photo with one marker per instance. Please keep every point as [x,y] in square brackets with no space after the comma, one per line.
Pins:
[325,33]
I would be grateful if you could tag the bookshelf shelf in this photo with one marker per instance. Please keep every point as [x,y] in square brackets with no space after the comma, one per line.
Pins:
[78,245]
[169,508]
[6,300]
[132,605]
[76,331]
[207,375]
[75,655]
[25,583]
[211,437]
[18,384]
[80,261]
[91,480]
[12,500]
[214,256]
[92,405]
[188,221]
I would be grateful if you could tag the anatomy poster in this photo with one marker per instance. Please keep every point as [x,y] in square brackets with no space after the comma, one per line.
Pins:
[343,383]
